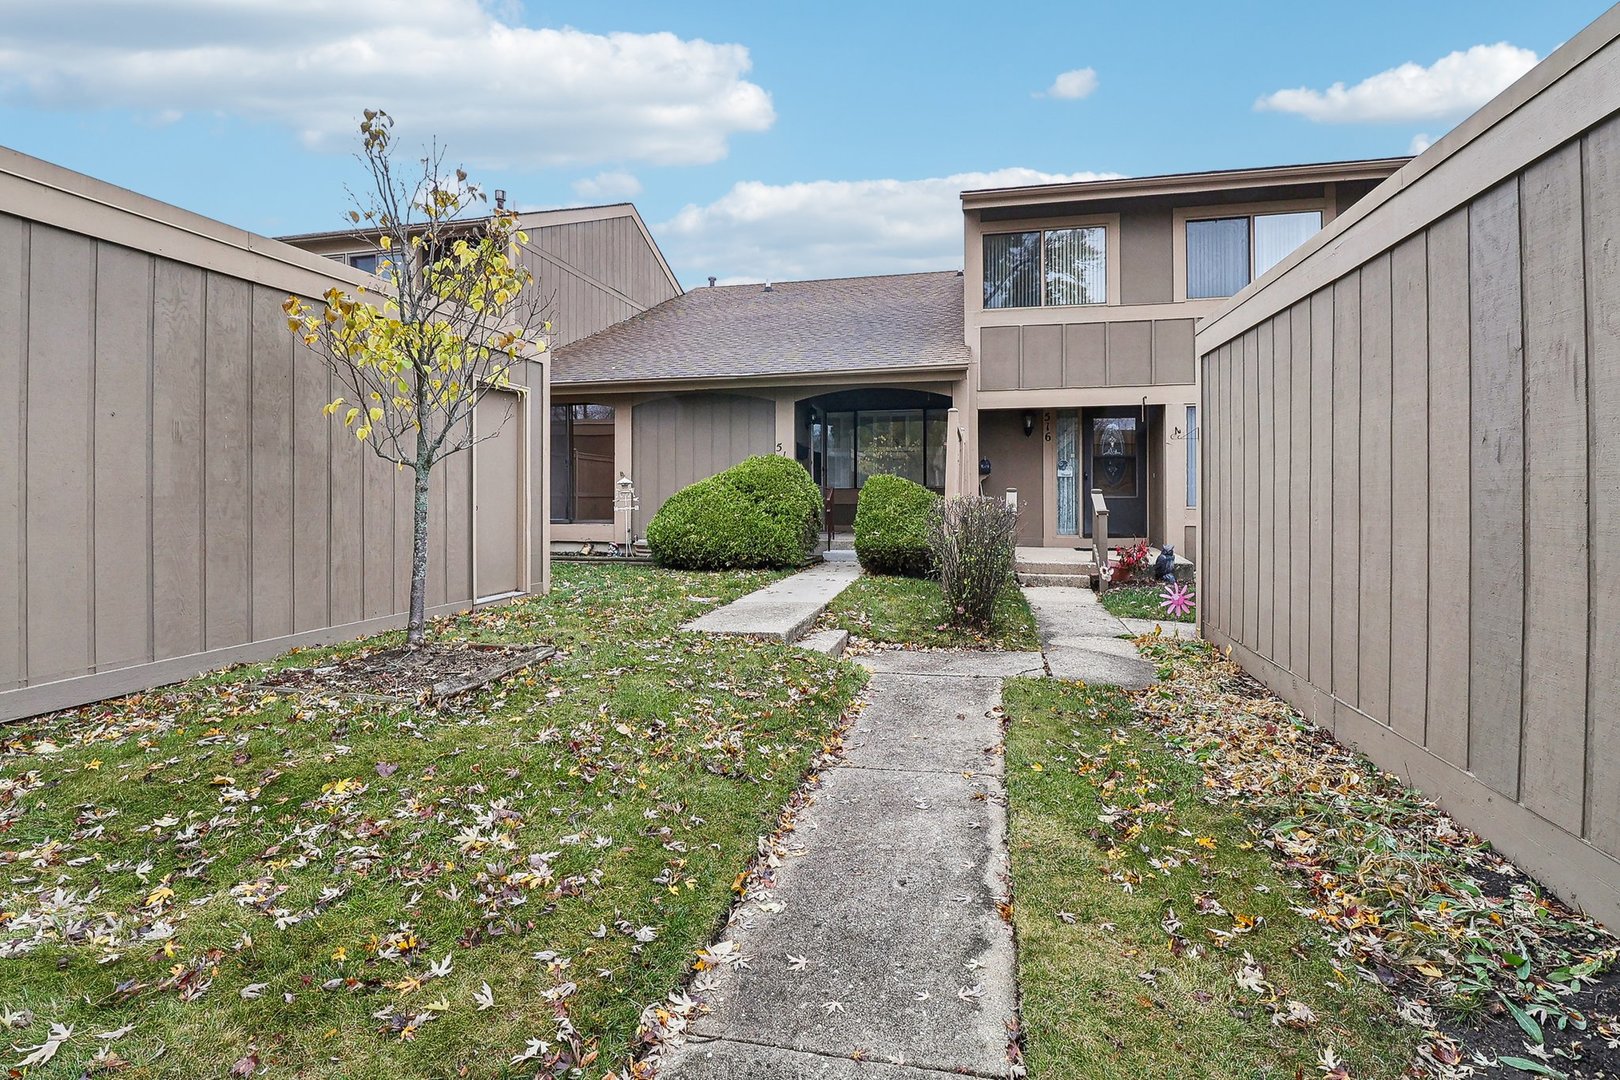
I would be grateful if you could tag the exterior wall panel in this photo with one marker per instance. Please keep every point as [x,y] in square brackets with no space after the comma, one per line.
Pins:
[1462,380]
[1450,530]
[1601,215]
[1496,510]
[681,439]
[1376,475]
[177,459]
[1145,246]
[60,619]
[1409,489]
[14,236]
[1555,448]
[120,461]
[1045,356]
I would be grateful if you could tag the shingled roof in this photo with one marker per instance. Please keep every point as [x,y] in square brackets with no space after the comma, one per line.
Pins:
[746,331]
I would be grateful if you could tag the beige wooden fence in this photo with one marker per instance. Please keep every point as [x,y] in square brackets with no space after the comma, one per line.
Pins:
[1412,472]
[171,498]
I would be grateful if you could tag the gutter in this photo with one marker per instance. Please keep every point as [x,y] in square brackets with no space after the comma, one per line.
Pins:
[912,372]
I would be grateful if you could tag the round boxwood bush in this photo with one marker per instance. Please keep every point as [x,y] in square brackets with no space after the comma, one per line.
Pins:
[782,488]
[763,512]
[891,527]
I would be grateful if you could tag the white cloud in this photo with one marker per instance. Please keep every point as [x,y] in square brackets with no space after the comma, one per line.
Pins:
[499,94]
[832,228]
[1072,85]
[1420,142]
[608,185]
[1453,85]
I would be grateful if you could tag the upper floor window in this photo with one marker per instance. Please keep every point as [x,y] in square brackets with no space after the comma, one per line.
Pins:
[365,260]
[1225,254]
[1049,267]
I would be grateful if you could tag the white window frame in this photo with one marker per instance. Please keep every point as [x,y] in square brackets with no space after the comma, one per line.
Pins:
[1183,214]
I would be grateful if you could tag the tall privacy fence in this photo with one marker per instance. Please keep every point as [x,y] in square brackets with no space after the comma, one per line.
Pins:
[171,497]
[1411,444]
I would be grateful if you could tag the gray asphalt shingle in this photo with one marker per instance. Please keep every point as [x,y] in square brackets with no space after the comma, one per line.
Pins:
[832,325]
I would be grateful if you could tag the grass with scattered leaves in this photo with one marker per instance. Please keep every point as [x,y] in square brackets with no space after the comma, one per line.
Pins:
[1155,937]
[211,878]
[911,611]
[1141,602]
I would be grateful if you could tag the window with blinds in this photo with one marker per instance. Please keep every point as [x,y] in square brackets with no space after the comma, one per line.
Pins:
[1054,267]
[1075,269]
[1012,270]
[1225,254]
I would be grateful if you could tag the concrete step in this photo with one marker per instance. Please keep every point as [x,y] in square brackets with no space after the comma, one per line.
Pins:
[1077,581]
[826,642]
[1054,566]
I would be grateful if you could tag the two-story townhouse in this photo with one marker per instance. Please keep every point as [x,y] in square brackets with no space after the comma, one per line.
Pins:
[1080,309]
[1060,359]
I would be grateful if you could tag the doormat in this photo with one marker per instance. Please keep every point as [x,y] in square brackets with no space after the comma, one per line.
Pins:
[428,675]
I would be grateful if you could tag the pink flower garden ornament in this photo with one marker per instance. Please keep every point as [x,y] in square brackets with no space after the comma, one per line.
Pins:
[1176,599]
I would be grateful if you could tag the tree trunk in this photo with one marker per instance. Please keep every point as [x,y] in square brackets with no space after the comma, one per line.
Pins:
[416,627]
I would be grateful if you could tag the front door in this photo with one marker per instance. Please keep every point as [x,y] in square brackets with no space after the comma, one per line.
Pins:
[1113,446]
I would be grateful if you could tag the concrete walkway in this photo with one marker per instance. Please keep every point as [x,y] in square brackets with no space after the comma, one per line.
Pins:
[783,611]
[878,950]
[1081,640]
[881,938]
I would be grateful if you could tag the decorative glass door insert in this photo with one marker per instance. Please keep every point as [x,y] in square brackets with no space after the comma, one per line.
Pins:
[1113,456]
[1068,473]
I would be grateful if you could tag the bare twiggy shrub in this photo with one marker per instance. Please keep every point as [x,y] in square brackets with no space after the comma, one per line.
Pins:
[972,537]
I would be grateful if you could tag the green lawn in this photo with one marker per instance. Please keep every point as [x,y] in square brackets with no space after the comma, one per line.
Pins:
[911,611]
[1139,907]
[324,888]
[1141,602]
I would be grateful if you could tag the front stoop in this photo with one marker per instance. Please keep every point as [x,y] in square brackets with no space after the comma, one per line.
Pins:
[1055,566]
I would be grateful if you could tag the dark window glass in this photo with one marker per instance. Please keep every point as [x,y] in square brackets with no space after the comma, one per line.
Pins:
[366,261]
[582,463]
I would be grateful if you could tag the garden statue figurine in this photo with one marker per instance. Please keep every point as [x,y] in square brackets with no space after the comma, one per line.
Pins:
[1164,567]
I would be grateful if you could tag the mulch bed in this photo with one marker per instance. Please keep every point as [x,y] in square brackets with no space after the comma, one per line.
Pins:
[428,674]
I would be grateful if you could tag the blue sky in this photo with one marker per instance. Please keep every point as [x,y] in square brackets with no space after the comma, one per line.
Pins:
[758,139]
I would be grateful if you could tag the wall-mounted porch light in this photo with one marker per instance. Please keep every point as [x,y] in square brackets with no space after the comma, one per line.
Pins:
[1029,424]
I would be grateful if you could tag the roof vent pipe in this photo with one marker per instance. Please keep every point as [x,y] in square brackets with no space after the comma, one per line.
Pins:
[500,198]
[711,281]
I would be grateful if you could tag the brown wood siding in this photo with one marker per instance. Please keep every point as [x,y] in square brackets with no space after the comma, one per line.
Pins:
[1600,169]
[595,274]
[681,439]
[171,498]
[1044,356]
[1452,383]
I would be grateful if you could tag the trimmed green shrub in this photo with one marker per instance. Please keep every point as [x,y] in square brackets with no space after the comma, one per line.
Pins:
[783,489]
[763,512]
[891,527]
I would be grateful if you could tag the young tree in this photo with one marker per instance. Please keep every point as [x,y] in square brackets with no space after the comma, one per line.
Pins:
[454,311]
